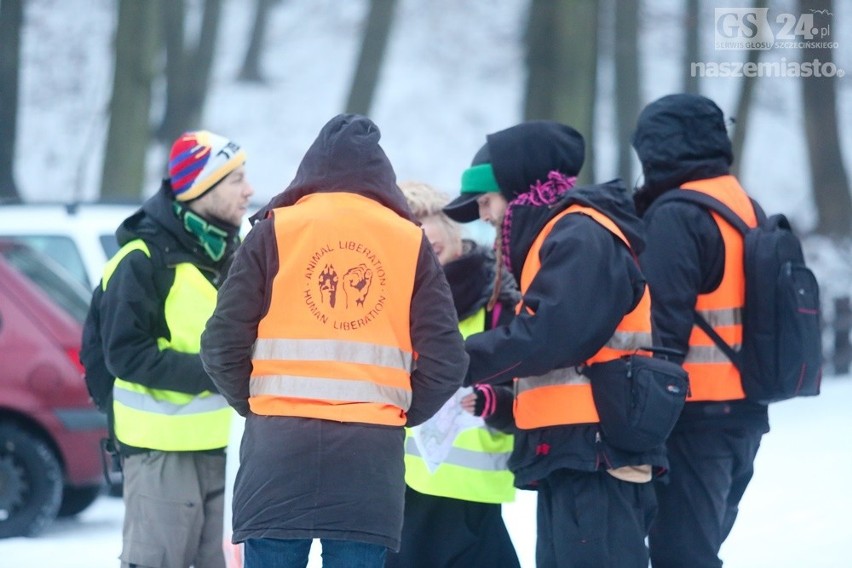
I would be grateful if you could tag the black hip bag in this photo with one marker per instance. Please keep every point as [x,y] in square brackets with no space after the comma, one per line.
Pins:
[638,398]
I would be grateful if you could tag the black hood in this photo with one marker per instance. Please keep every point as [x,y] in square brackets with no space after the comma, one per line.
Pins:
[525,153]
[680,138]
[346,156]
[155,217]
[611,198]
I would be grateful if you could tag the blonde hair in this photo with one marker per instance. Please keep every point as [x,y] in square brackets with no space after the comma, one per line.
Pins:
[426,201]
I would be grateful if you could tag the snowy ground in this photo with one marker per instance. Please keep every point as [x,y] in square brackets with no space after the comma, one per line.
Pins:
[794,514]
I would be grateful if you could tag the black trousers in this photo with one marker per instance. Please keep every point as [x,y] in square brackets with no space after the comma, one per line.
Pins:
[438,532]
[593,520]
[709,472]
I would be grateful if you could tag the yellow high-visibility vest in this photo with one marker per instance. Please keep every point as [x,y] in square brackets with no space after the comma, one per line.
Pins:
[476,467]
[161,419]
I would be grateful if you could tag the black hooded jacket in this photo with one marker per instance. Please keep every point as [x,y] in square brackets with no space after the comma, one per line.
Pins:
[131,312]
[587,283]
[681,138]
[311,478]
[525,153]
[346,157]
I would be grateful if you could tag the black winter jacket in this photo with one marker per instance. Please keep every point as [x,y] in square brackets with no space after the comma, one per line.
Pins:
[131,312]
[310,478]
[587,283]
[684,254]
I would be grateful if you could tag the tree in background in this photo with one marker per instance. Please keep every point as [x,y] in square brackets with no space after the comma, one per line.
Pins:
[188,66]
[129,128]
[540,59]
[692,45]
[829,182]
[11,19]
[742,114]
[250,70]
[372,54]
[628,95]
[562,53]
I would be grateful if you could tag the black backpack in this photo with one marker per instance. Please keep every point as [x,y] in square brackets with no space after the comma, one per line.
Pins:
[98,378]
[781,354]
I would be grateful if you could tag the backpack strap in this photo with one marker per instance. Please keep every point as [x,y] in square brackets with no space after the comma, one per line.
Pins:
[724,346]
[714,205]
[736,222]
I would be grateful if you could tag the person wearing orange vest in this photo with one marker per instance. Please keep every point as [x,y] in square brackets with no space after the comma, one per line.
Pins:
[584,300]
[334,330]
[453,503]
[693,261]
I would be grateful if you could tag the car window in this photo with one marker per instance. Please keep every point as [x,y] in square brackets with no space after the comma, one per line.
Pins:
[61,250]
[109,244]
[61,288]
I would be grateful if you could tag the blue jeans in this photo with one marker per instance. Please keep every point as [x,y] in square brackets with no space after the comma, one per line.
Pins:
[278,553]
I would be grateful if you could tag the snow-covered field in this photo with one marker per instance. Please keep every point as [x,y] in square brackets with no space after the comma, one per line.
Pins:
[794,515]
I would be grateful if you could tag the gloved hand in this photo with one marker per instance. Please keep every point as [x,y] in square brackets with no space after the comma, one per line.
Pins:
[481,402]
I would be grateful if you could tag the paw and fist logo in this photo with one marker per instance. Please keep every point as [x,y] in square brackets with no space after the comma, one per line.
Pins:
[356,285]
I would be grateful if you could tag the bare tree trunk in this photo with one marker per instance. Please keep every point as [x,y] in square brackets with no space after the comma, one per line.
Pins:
[692,51]
[562,67]
[187,67]
[11,20]
[541,59]
[628,97]
[250,71]
[129,128]
[173,21]
[575,81]
[829,181]
[375,39]
[743,112]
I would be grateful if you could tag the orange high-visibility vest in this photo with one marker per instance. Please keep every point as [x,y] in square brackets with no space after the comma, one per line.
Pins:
[564,396]
[712,376]
[335,343]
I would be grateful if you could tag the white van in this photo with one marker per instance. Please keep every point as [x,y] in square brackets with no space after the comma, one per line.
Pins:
[79,236]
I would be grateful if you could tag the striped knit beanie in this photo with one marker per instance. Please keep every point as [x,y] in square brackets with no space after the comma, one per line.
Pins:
[199,160]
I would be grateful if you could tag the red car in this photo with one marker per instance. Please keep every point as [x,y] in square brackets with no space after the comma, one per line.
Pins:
[50,432]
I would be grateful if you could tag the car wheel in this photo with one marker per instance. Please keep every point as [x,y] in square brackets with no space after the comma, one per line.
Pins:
[75,500]
[30,482]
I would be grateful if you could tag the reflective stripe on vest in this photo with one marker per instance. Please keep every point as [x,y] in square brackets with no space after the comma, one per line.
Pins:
[470,459]
[335,342]
[476,467]
[564,396]
[474,470]
[328,349]
[712,376]
[166,420]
